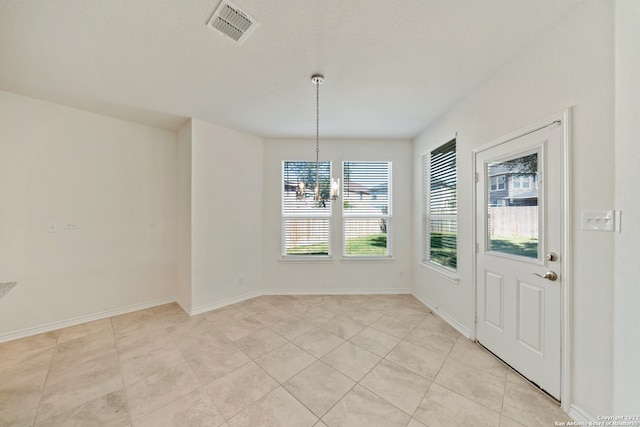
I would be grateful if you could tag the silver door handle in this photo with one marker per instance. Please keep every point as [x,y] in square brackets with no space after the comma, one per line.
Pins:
[549,275]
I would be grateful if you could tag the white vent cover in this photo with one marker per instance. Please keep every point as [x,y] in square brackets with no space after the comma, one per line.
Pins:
[232,22]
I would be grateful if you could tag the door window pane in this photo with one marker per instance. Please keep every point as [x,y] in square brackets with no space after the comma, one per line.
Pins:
[512,213]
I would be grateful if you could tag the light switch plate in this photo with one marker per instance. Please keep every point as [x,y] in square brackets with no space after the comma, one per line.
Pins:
[598,220]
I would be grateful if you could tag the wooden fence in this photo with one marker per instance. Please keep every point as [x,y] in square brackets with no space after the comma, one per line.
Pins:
[513,221]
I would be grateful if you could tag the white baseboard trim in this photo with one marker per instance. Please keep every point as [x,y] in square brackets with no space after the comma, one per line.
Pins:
[27,332]
[215,305]
[450,320]
[578,414]
[336,291]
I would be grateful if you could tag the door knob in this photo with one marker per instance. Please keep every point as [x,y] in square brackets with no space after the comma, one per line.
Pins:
[549,275]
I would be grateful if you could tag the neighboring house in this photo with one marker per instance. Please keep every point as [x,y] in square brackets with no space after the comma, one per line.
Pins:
[509,188]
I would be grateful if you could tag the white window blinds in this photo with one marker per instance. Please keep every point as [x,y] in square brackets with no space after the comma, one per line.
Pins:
[366,209]
[440,213]
[306,223]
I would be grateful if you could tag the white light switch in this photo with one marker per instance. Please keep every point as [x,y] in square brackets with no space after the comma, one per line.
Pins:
[598,220]
[52,227]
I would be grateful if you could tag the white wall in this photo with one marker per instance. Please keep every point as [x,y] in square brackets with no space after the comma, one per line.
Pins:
[626,396]
[108,176]
[183,285]
[226,215]
[571,66]
[337,276]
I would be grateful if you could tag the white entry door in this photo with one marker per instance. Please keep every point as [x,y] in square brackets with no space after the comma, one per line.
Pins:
[519,223]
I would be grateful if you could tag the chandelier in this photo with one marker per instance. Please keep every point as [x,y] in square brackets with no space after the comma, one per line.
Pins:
[318,79]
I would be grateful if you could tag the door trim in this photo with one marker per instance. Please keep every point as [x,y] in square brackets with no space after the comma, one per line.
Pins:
[566,293]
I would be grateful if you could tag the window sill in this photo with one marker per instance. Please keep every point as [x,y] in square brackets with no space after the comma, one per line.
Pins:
[308,258]
[367,259]
[442,272]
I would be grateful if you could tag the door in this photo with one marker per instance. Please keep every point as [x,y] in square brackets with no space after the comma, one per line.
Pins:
[519,223]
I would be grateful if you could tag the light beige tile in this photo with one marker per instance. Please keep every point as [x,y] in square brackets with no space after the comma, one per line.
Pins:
[318,342]
[171,314]
[85,348]
[507,422]
[396,385]
[392,326]
[320,424]
[200,339]
[84,329]
[240,389]
[159,389]
[375,341]
[434,323]
[221,313]
[361,408]
[433,341]
[417,359]
[212,362]
[343,327]
[261,342]
[351,360]
[319,387]
[409,315]
[483,388]
[255,305]
[110,409]
[278,408]
[271,317]
[285,361]
[292,327]
[317,315]
[77,385]
[19,402]
[530,406]
[415,423]
[136,323]
[515,377]
[91,365]
[22,353]
[363,315]
[138,365]
[193,409]
[473,355]
[237,325]
[444,408]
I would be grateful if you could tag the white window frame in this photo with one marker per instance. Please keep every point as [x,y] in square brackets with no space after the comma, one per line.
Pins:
[284,217]
[426,261]
[388,216]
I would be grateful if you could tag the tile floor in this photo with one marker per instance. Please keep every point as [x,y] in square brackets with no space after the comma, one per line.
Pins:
[373,360]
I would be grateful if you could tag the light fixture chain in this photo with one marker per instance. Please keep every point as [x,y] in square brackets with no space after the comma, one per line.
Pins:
[317,191]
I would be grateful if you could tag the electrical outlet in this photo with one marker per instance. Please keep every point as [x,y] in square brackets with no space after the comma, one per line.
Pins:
[52,227]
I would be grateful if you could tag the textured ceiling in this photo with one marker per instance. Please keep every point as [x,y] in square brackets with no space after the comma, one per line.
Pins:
[391,67]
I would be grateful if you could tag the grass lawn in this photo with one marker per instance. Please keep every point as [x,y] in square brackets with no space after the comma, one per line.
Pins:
[374,244]
[515,245]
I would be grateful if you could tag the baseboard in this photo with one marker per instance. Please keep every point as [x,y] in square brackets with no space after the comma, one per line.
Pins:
[336,291]
[23,333]
[450,320]
[578,414]
[208,307]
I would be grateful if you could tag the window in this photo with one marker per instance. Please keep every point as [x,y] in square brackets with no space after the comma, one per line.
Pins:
[440,210]
[306,223]
[497,182]
[366,209]
[521,182]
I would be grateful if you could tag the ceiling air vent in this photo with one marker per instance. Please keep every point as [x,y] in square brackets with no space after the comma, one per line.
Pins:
[232,22]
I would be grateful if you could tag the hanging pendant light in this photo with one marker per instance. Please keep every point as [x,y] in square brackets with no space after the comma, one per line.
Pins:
[318,79]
